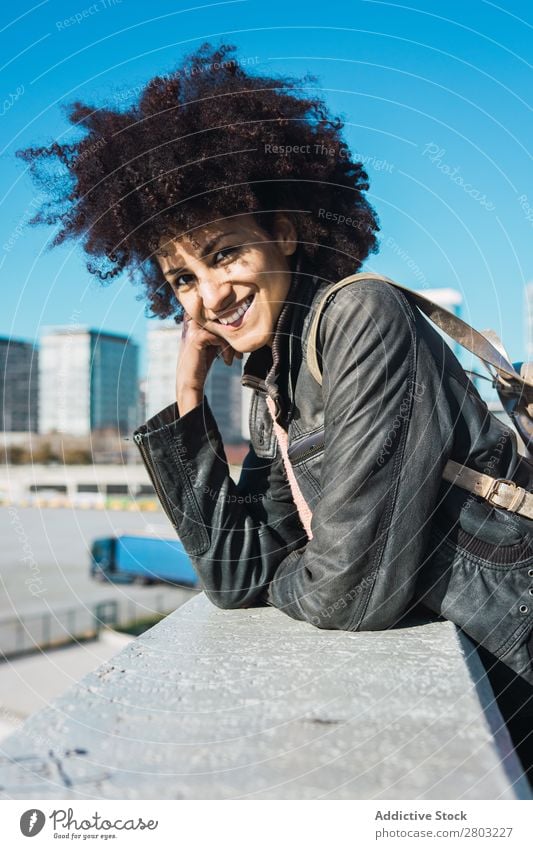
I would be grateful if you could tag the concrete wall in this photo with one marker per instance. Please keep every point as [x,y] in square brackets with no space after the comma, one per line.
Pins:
[214,704]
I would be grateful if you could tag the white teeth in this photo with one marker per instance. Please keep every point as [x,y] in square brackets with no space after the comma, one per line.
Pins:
[238,312]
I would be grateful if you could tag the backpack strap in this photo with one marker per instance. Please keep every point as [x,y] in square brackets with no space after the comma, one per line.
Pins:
[499,492]
[456,328]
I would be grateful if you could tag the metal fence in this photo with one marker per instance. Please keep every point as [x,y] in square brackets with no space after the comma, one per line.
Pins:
[53,628]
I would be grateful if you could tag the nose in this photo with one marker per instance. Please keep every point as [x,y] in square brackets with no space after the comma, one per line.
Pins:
[216,294]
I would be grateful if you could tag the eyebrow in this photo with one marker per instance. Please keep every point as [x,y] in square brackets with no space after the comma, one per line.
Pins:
[208,248]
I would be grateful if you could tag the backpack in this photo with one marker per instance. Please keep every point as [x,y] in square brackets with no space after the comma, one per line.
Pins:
[513,382]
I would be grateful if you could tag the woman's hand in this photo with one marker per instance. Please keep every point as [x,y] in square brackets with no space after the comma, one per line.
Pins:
[199,347]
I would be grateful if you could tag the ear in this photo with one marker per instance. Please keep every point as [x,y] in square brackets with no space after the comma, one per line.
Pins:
[285,233]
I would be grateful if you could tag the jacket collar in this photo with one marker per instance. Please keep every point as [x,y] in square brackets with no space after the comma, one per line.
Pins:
[256,368]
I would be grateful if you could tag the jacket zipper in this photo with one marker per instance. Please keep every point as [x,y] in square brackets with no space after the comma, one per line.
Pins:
[160,492]
[300,453]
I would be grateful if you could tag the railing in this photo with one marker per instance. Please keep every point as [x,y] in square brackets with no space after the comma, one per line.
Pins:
[58,627]
[213,704]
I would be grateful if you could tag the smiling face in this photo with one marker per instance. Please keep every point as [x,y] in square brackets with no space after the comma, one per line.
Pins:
[232,277]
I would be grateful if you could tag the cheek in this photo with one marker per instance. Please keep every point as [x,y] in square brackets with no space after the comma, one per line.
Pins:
[243,269]
[280,289]
[254,261]
[187,302]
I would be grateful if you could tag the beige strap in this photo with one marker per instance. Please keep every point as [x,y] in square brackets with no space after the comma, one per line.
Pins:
[448,322]
[500,492]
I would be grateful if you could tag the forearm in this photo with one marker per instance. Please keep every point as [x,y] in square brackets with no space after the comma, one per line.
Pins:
[235,534]
[187,400]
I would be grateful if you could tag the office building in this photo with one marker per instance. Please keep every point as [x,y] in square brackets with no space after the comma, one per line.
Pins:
[225,394]
[88,381]
[19,374]
[162,348]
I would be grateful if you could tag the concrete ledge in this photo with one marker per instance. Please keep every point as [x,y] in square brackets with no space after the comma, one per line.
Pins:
[214,704]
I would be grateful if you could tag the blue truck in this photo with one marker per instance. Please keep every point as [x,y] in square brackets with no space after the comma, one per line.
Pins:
[141,559]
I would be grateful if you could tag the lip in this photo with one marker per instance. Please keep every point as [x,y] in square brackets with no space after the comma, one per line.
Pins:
[236,306]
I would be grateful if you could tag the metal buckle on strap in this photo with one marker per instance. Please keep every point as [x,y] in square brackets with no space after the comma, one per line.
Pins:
[516,500]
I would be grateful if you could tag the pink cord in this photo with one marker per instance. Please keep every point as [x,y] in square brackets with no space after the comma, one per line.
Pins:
[283,440]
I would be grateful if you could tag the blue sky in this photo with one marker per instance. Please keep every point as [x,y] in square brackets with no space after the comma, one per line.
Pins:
[437,101]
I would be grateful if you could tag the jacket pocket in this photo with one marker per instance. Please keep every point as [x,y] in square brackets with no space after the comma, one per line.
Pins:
[306,454]
[491,601]
[306,447]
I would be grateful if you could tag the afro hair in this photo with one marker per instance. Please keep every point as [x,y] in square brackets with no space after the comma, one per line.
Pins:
[207,141]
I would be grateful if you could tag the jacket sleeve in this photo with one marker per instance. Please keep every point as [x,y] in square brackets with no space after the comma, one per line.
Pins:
[235,534]
[387,436]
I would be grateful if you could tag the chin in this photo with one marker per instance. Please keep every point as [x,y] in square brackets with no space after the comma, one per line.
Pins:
[252,339]
[247,347]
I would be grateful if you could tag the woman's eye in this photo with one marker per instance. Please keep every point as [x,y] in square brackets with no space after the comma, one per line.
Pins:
[182,279]
[224,253]
[219,258]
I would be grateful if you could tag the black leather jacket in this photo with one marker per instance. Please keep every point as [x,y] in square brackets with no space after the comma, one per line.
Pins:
[368,449]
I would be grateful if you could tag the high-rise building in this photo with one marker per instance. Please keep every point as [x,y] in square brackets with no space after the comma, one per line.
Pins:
[162,349]
[19,387]
[223,386]
[87,381]
[141,407]
[224,391]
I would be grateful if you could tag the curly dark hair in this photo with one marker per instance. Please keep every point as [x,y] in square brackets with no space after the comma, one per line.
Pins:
[207,141]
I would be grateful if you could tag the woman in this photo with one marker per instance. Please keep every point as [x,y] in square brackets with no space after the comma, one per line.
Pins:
[236,201]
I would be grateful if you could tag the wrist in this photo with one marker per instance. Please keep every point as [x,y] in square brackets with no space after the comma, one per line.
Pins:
[188,399]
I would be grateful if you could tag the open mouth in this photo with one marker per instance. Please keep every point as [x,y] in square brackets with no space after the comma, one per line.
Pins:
[236,318]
